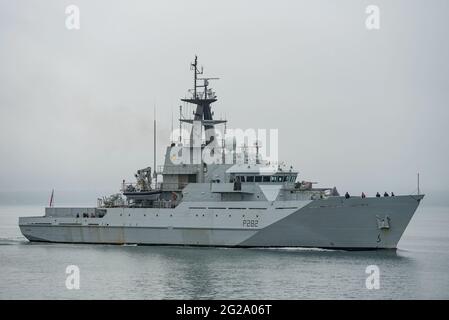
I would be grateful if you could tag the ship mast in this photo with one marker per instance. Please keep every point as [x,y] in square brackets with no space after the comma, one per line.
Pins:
[202,100]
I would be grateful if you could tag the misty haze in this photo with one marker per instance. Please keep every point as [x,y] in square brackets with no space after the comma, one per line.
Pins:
[357,109]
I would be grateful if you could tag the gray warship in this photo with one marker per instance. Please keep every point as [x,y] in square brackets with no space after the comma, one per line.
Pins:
[238,199]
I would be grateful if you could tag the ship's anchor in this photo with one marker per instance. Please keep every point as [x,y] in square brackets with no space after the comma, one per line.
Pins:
[383,223]
[378,238]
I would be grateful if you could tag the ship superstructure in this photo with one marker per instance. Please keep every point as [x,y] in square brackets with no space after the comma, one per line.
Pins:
[211,194]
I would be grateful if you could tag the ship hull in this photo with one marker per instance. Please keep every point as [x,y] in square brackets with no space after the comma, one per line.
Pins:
[339,223]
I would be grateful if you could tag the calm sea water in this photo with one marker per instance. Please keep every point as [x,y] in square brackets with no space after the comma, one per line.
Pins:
[418,269]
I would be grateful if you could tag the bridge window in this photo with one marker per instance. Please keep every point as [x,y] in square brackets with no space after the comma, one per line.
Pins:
[276,179]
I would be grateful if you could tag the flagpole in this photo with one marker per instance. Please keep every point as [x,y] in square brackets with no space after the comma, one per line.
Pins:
[51,197]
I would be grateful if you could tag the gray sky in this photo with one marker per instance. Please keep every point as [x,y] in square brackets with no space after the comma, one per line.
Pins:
[361,110]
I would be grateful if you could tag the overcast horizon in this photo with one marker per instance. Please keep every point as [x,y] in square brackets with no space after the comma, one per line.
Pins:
[362,110]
